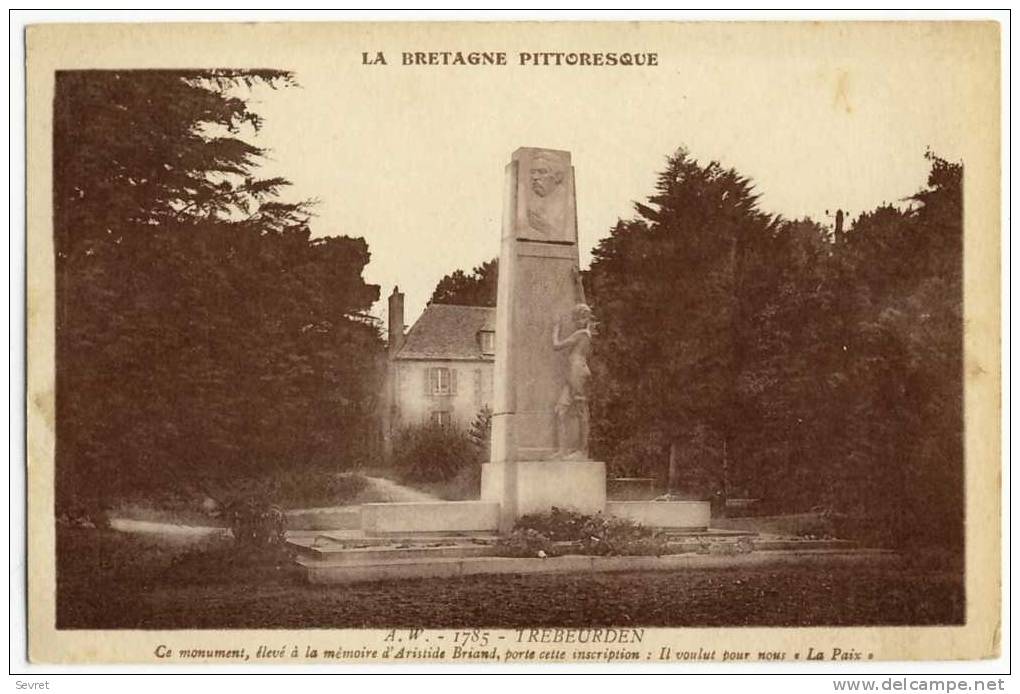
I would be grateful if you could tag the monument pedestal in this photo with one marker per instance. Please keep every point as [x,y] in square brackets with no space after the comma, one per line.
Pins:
[535,486]
[538,295]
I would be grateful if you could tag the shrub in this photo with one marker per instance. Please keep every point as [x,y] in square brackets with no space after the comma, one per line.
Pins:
[608,535]
[558,524]
[579,533]
[256,522]
[432,453]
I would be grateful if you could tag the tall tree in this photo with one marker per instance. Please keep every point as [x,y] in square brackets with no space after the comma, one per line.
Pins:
[664,286]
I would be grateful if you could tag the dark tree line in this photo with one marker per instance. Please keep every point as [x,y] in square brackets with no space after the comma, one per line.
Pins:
[766,358]
[202,334]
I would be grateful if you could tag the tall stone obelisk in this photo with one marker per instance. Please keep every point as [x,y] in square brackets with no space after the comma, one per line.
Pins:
[539,287]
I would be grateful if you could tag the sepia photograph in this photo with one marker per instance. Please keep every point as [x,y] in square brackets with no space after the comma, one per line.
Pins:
[513,342]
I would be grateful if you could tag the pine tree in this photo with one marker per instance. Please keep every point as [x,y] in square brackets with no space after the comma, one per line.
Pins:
[665,288]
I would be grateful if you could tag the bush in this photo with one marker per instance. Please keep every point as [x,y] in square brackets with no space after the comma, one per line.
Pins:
[432,453]
[568,532]
[559,525]
[253,507]
[256,522]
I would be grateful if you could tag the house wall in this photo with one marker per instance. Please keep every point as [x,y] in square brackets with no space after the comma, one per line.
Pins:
[414,406]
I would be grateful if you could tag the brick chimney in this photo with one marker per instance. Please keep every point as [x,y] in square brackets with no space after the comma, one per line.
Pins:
[395,337]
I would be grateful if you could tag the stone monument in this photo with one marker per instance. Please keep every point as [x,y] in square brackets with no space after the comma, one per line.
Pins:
[543,335]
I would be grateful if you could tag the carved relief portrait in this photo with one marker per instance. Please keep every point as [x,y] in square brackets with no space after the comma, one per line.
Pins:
[547,199]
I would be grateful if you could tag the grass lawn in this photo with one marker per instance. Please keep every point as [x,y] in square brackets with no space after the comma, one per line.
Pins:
[112,580]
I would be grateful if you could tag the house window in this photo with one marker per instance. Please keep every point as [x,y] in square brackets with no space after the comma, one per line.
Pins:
[487,341]
[441,418]
[439,380]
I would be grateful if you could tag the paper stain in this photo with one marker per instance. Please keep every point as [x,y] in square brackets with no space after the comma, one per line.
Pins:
[842,96]
[43,405]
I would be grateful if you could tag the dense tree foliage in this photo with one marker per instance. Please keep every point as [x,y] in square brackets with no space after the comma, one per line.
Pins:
[764,358]
[202,334]
[665,289]
[475,289]
[433,452]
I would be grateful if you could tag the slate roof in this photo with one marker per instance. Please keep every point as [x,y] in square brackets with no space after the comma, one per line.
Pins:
[448,332]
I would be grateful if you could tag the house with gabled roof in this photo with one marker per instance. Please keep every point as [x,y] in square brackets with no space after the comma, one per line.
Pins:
[440,371]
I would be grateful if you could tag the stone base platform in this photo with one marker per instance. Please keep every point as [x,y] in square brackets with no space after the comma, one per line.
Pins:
[453,567]
[425,518]
[453,538]
[534,486]
[346,556]
[430,517]
[690,515]
[331,518]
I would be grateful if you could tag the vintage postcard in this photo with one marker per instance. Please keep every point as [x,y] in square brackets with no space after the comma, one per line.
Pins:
[517,343]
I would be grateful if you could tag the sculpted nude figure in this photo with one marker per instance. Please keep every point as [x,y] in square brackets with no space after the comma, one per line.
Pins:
[573,398]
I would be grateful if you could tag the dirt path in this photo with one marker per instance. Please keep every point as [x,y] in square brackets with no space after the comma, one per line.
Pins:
[390,491]
[378,489]
[169,530]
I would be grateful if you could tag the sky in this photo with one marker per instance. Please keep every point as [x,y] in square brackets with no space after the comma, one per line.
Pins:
[412,158]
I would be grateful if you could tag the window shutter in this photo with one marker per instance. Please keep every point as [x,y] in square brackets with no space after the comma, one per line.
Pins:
[453,381]
[428,380]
